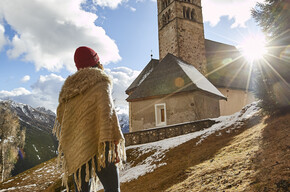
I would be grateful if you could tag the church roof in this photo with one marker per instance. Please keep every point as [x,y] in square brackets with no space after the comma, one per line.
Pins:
[170,76]
[144,73]
[226,66]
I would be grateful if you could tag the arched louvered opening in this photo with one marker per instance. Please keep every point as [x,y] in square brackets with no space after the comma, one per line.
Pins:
[187,13]
[163,20]
[192,16]
[163,4]
[168,15]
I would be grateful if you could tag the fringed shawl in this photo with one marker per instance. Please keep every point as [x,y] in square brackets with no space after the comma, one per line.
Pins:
[85,120]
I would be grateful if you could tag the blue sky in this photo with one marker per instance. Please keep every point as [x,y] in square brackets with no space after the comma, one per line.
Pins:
[38,40]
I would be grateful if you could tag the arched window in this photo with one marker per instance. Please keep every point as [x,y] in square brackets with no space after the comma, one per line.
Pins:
[184,12]
[188,13]
[192,15]
[167,17]
[163,20]
[163,4]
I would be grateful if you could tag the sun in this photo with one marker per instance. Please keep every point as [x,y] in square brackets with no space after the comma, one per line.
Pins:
[253,47]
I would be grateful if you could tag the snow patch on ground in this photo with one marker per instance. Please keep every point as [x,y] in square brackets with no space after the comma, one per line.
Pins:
[35,148]
[161,147]
[17,188]
[8,181]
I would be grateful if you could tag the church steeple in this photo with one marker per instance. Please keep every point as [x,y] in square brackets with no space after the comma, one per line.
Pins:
[180,31]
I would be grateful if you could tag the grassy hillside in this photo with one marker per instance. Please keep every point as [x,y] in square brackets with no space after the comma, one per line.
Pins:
[255,157]
[249,154]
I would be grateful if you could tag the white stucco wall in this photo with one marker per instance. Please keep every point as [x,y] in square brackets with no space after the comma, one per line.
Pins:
[237,99]
[180,108]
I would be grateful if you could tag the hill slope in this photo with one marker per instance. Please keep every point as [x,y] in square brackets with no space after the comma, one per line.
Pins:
[241,153]
[249,155]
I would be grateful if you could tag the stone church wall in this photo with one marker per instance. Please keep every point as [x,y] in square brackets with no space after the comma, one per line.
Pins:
[182,35]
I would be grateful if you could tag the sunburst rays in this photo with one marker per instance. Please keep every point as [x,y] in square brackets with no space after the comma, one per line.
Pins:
[256,63]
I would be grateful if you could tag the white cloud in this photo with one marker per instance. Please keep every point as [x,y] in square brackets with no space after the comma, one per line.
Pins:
[3,40]
[25,78]
[46,90]
[239,10]
[109,3]
[122,78]
[48,32]
[14,93]
[133,9]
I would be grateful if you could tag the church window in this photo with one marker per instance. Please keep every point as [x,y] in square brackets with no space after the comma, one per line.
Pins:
[193,14]
[187,13]
[163,20]
[166,18]
[168,15]
[163,5]
[160,114]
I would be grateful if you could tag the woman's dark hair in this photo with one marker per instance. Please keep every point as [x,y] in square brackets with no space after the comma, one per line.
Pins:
[99,65]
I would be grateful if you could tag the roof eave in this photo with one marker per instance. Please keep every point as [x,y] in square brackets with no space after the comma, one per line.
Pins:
[164,95]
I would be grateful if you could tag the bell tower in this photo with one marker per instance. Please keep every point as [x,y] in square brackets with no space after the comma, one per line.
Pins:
[180,31]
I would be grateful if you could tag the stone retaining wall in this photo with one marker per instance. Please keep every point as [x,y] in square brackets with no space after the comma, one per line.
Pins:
[156,134]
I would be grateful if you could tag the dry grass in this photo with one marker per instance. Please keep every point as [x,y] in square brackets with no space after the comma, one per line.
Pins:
[182,160]
[38,178]
[254,157]
[272,161]
[229,170]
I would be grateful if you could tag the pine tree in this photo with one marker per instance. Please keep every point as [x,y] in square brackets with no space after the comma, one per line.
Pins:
[273,17]
[11,139]
[272,86]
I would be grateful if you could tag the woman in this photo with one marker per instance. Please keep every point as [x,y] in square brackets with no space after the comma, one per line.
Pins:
[90,139]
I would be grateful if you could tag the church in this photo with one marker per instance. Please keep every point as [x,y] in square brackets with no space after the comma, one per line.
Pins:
[194,78]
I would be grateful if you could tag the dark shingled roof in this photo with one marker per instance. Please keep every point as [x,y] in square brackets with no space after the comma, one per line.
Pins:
[227,67]
[168,77]
[144,73]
